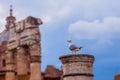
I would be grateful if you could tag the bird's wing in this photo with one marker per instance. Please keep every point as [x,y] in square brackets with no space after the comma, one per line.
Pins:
[73,47]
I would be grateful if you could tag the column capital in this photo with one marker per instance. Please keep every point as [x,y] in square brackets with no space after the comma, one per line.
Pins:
[35,50]
[21,50]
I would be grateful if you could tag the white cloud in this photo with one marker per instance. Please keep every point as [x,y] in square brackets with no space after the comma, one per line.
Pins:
[55,15]
[2,23]
[55,11]
[64,11]
[46,19]
[108,28]
[2,19]
[1,9]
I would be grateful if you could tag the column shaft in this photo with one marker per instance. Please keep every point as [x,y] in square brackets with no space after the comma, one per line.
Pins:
[21,64]
[35,67]
[10,67]
[77,67]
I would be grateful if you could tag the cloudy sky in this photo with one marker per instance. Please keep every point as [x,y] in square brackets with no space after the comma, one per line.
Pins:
[93,24]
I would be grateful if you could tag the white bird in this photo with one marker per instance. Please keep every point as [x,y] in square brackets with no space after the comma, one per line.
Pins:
[73,47]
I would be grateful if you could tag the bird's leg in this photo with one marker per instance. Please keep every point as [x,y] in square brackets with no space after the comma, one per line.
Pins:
[75,52]
[72,52]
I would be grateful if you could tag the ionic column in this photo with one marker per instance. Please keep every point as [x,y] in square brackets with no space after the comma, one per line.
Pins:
[21,64]
[35,65]
[77,67]
[10,67]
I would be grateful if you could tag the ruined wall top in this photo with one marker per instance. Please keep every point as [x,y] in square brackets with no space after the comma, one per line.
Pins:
[22,33]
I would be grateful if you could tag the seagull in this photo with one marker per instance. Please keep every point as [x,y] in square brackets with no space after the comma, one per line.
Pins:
[73,47]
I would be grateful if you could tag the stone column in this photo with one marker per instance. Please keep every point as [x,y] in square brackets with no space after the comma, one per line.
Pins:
[77,67]
[10,66]
[21,64]
[35,66]
[117,77]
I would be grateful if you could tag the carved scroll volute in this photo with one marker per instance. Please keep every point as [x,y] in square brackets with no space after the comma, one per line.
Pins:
[20,26]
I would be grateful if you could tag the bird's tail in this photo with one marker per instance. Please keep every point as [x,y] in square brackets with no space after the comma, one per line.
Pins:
[80,47]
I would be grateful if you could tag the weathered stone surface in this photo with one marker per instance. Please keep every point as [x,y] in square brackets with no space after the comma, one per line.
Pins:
[117,77]
[24,32]
[10,76]
[10,67]
[35,50]
[20,49]
[77,67]
[78,78]
[52,73]
[21,61]
[35,69]
[35,62]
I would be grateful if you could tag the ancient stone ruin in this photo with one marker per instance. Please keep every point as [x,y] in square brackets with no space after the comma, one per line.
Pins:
[20,55]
